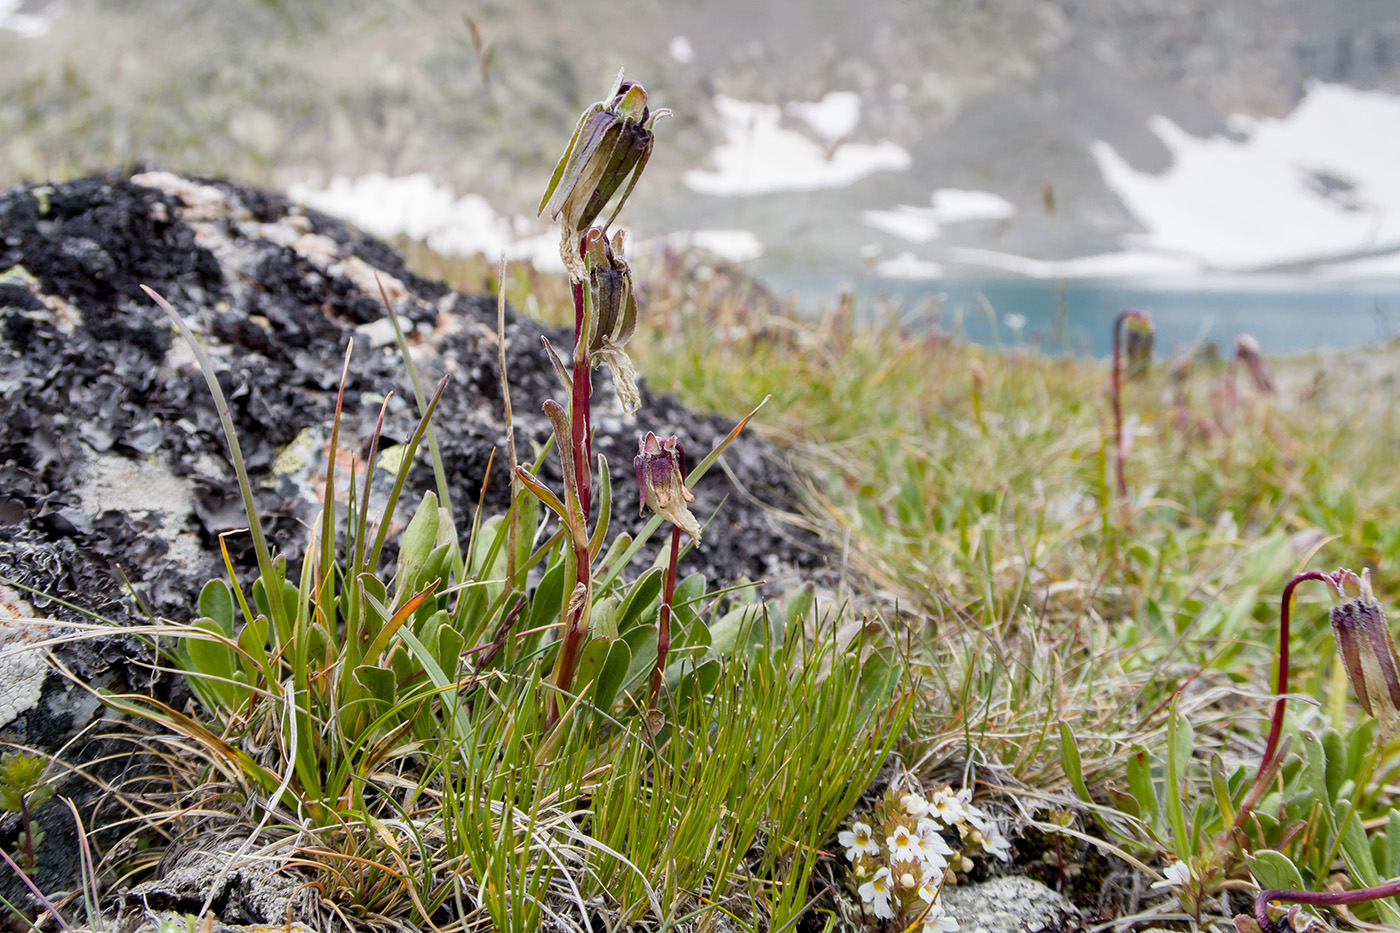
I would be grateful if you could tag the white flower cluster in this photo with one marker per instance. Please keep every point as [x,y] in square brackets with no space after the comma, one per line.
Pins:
[902,858]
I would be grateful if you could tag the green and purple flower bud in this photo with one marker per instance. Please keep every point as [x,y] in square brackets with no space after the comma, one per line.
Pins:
[1248,352]
[613,316]
[1368,650]
[609,149]
[660,468]
[1138,337]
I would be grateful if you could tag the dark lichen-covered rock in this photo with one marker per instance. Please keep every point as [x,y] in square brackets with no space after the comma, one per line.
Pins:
[115,485]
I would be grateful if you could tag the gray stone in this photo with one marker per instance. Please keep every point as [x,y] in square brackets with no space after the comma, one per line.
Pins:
[1013,904]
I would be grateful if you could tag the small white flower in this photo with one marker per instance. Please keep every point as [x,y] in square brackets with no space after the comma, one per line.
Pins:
[904,846]
[946,807]
[932,845]
[914,805]
[938,921]
[994,842]
[931,884]
[1175,875]
[876,893]
[857,839]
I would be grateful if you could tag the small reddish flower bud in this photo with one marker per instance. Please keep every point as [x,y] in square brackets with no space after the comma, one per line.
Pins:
[1139,335]
[614,308]
[660,468]
[1367,648]
[1248,352]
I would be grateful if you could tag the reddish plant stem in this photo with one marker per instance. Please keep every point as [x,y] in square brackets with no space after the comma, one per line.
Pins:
[581,443]
[1285,614]
[27,832]
[1119,455]
[1317,898]
[663,631]
[581,416]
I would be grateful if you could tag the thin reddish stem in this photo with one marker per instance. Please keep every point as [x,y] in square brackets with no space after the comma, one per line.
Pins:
[1319,899]
[1118,452]
[1256,790]
[663,631]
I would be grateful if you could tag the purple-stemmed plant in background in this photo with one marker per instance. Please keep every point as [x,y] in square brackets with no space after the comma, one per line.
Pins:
[1368,653]
[1137,342]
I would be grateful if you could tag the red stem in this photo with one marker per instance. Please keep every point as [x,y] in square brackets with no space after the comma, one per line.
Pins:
[581,416]
[1318,898]
[581,443]
[1280,692]
[1118,453]
[663,632]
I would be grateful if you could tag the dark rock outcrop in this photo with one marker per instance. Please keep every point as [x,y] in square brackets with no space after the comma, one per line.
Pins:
[115,485]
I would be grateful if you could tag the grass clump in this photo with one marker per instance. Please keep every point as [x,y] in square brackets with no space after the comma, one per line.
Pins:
[1086,561]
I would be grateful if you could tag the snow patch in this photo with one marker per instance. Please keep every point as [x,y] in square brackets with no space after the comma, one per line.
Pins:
[734,245]
[949,206]
[760,156]
[833,117]
[1129,264]
[908,266]
[28,25]
[681,50]
[956,205]
[418,207]
[1318,183]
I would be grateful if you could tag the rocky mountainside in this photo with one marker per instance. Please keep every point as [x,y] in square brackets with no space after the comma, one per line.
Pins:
[1001,95]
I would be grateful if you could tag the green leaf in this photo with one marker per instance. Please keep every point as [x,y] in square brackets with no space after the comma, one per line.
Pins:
[213,659]
[698,683]
[878,679]
[641,601]
[735,627]
[612,675]
[378,683]
[449,646]
[1335,750]
[1220,786]
[1143,788]
[215,602]
[253,641]
[641,642]
[1179,745]
[1274,871]
[590,662]
[800,604]
[604,617]
[1317,770]
[415,545]
[1392,843]
[544,603]
[1070,762]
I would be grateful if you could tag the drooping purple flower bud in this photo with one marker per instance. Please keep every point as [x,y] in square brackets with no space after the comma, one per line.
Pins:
[1248,352]
[609,149]
[660,468]
[1139,335]
[614,312]
[1367,647]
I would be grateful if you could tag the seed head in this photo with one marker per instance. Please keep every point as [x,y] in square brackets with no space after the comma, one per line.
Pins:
[614,317]
[609,149]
